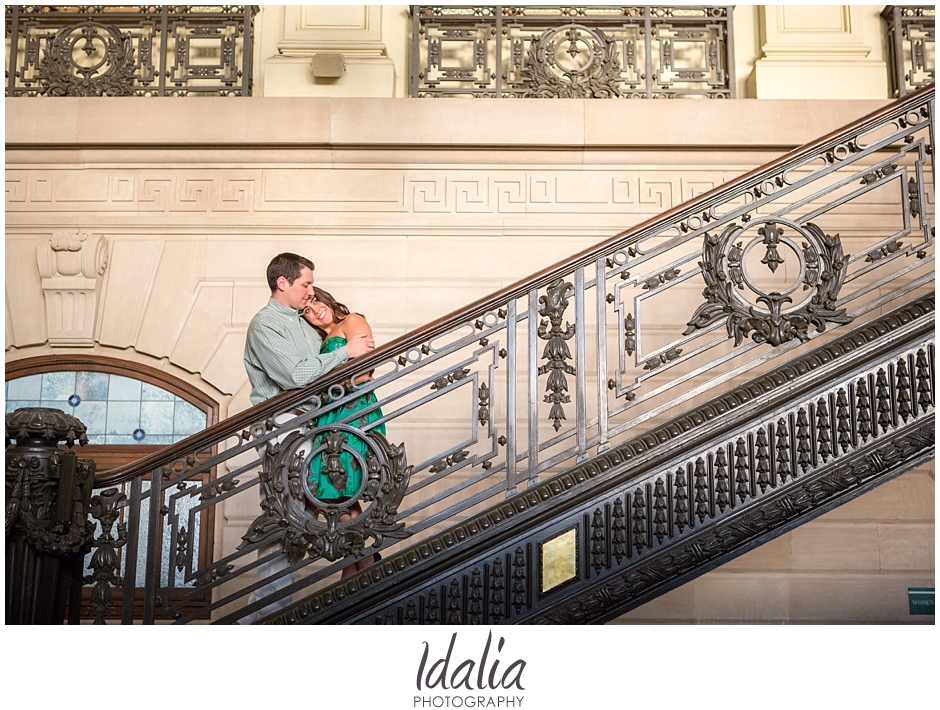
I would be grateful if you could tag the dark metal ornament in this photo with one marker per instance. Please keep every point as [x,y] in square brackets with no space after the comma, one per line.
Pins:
[105,563]
[307,526]
[129,50]
[591,68]
[767,318]
[46,523]
[553,305]
[111,75]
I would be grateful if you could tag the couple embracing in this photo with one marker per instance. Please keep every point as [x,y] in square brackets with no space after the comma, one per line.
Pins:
[301,334]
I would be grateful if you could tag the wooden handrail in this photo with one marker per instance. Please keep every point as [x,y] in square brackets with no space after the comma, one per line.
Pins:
[695,206]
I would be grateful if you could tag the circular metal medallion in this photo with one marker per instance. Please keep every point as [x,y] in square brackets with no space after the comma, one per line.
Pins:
[740,267]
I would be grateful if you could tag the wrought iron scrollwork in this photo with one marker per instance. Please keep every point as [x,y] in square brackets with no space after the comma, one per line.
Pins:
[724,268]
[448,461]
[108,66]
[46,523]
[105,565]
[629,333]
[875,175]
[483,404]
[459,374]
[911,38]
[590,69]
[131,50]
[553,305]
[307,526]
[45,489]
[575,52]
[887,250]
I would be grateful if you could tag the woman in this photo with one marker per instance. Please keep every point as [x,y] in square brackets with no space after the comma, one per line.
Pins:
[337,325]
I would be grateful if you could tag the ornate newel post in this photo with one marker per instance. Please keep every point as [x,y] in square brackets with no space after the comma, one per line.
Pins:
[47,526]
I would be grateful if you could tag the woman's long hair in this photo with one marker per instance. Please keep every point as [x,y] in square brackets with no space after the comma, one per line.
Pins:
[340,311]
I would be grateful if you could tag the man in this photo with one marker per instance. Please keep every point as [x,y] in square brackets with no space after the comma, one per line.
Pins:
[282,352]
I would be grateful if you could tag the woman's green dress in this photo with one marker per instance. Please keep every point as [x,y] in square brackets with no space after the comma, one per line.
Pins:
[317,480]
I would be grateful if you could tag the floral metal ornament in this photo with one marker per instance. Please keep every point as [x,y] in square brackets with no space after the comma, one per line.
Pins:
[307,526]
[106,69]
[573,62]
[771,316]
[553,305]
[771,234]
[105,563]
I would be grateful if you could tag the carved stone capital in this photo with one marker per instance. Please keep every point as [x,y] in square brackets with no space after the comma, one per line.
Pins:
[71,265]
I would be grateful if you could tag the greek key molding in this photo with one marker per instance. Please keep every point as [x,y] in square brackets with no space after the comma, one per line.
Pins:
[338,189]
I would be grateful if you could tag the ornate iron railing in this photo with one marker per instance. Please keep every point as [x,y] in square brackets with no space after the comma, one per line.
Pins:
[911,47]
[546,374]
[129,50]
[675,501]
[502,51]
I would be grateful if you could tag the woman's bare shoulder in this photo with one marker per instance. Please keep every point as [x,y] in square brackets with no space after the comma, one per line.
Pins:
[355,323]
[355,319]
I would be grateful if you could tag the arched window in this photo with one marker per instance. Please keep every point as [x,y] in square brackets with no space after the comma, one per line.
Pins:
[129,410]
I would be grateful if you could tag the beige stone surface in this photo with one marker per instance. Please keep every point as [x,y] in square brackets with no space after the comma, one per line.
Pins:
[774,79]
[126,288]
[906,546]
[361,77]
[170,296]
[819,51]
[772,556]
[23,293]
[742,597]
[204,326]
[411,122]
[670,607]
[883,503]
[835,546]
[918,494]
[854,598]
[226,366]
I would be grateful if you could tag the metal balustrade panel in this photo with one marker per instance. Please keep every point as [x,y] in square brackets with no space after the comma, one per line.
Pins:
[910,47]
[533,51]
[526,384]
[129,50]
[680,497]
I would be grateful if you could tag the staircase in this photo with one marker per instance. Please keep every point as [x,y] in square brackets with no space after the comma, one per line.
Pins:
[597,460]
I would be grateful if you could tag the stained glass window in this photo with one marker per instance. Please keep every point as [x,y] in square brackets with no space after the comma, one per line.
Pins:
[114,409]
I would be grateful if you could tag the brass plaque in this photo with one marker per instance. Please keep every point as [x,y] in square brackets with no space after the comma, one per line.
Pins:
[559,559]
